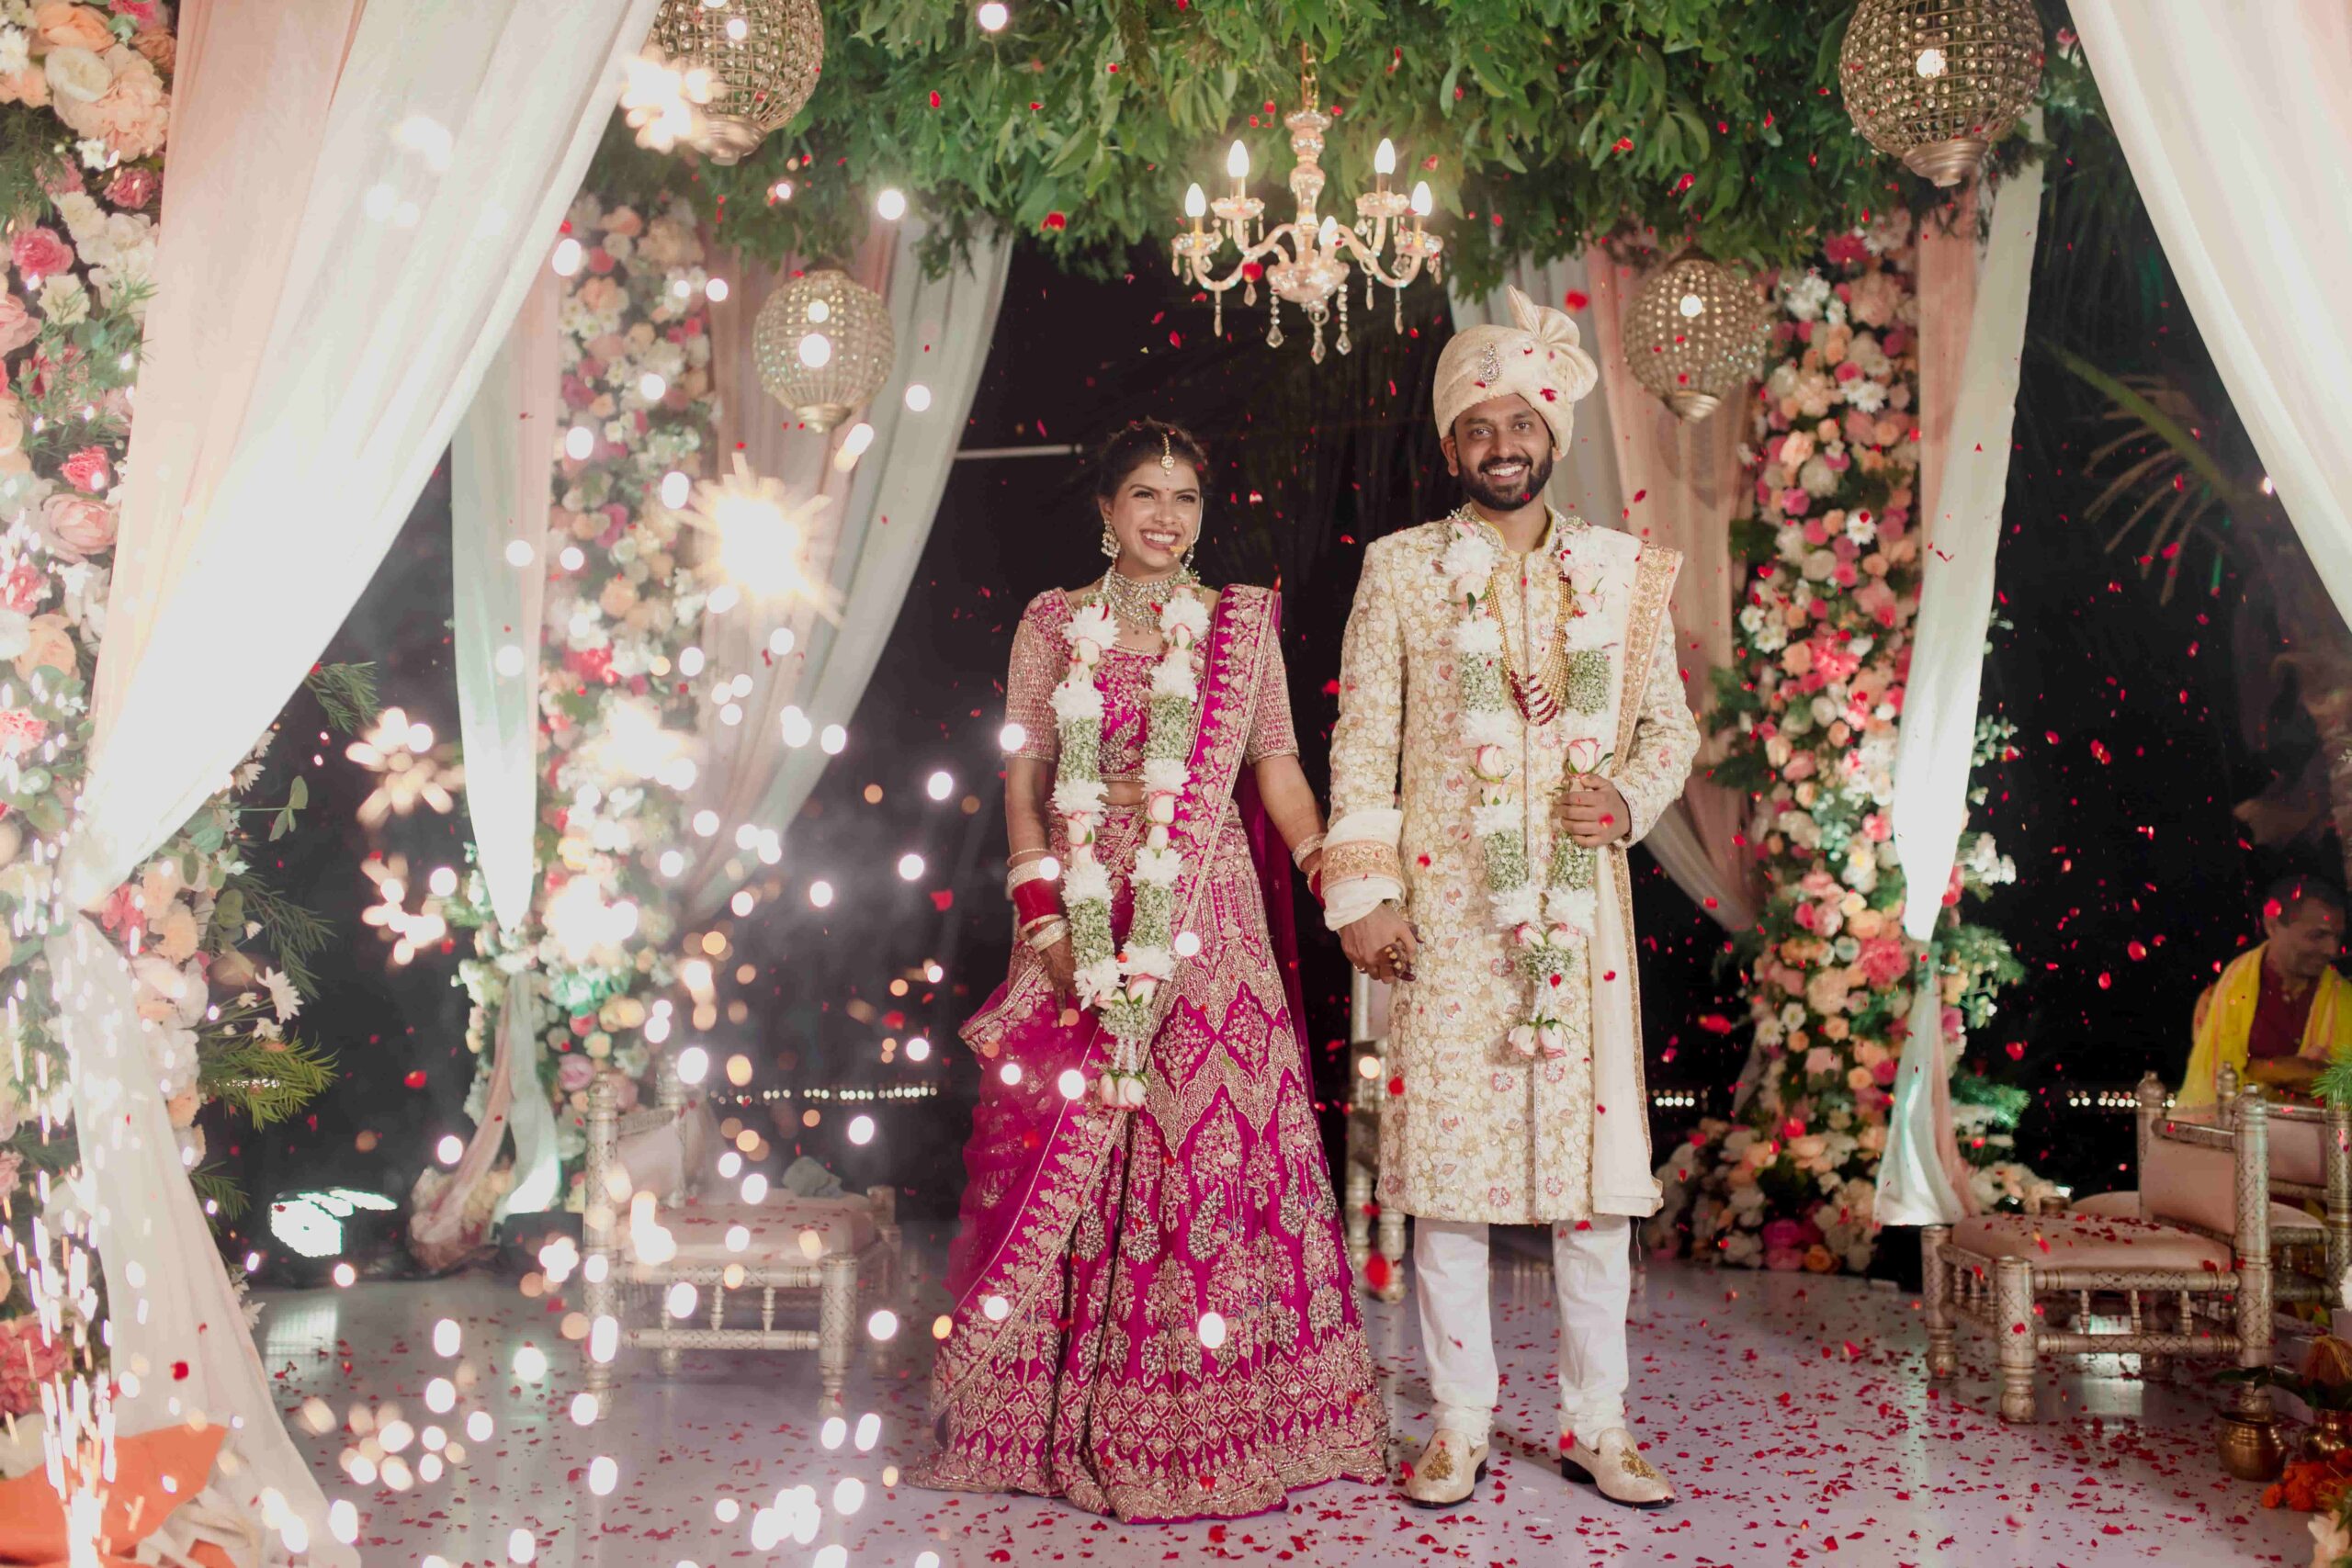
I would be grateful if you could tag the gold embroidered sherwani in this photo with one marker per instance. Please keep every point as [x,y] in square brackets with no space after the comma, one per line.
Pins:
[1480,1133]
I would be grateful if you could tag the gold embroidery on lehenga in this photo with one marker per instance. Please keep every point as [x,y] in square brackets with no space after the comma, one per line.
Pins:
[1050,1399]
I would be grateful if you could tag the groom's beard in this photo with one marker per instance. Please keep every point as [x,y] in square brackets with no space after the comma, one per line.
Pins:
[1508,496]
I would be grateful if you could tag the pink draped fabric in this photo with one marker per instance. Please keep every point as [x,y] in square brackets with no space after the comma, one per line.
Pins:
[740,761]
[450,1226]
[1681,483]
[1153,1315]
[1947,277]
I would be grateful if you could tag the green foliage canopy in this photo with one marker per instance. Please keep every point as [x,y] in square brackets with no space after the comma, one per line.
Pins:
[1536,123]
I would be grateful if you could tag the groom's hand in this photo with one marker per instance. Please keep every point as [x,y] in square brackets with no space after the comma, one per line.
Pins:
[1597,813]
[1382,944]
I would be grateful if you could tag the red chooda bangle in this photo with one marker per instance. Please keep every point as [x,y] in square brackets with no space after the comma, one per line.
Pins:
[1037,899]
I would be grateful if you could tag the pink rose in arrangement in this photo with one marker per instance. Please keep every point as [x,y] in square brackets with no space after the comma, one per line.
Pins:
[133,188]
[573,1072]
[76,527]
[29,1358]
[88,470]
[21,731]
[18,325]
[1883,962]
[39,253]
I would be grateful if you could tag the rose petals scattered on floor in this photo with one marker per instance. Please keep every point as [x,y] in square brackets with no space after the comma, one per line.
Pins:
[1791,1410]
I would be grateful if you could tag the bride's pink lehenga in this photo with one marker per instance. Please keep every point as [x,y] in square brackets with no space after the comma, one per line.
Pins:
[1152,1309]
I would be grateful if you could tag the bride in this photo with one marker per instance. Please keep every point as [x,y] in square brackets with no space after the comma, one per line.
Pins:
[1152,1307]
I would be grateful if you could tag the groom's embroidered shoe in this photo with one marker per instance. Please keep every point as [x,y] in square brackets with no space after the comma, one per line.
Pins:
[1448,1470]
[1615,1465]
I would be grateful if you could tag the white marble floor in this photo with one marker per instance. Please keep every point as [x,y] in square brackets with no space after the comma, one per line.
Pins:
[1794,1411]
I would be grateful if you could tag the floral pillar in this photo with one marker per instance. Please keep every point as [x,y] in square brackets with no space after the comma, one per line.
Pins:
[1810,710]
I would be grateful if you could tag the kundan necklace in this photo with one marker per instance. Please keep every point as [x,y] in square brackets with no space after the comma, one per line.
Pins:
[1137,605]
[1122,984]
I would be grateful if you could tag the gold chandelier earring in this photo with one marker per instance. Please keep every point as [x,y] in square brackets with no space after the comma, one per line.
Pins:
[1109,540]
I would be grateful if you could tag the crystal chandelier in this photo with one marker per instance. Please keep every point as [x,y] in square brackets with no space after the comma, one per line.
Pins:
[1694,332]
[742,69]
[1306,261]
[823,346]
[1936,82]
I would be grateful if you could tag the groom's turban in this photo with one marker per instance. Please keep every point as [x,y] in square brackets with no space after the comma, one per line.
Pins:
[1537,359]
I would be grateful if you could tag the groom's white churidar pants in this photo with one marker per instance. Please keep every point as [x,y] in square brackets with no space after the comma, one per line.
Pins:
[1593,1270]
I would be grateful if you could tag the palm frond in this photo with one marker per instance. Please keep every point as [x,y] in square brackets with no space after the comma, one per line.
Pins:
[215,1187]
[294,933]
[347,693]
[267,1080]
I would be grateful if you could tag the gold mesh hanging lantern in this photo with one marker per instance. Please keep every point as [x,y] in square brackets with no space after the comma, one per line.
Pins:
[1694,332]
[1936,82]
[748,65]
[823,344]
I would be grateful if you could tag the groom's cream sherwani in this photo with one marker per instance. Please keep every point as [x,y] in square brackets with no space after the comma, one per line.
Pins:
[1474,1131]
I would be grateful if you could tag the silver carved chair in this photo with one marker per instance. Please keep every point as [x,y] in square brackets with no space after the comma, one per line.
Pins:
[2190,1275]
[1368,1033]
[739,1260]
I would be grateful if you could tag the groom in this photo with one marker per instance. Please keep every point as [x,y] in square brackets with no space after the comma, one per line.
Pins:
[1519,664]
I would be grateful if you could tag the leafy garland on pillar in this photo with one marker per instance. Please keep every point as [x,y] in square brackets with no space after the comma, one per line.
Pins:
[616,702]
[217,956]
[1811,710]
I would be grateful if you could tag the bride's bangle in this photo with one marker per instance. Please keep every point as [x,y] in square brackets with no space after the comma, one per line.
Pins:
[1300,855]
[1046,933]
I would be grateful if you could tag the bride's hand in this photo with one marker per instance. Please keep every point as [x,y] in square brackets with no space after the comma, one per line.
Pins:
[1061,969]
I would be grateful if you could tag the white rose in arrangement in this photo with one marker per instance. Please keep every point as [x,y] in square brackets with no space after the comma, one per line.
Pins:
[63,299]
[1817,478]
[78,75]
[1820,564]
[15,632]
[1864,395]
[1804,296]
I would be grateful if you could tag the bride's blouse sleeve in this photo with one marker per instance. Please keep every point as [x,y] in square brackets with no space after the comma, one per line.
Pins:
[1269,728]
[1038,663]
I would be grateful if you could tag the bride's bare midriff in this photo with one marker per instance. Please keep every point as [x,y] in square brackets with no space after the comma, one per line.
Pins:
[1124,792]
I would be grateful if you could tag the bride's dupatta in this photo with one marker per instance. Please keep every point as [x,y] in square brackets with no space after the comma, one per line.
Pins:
[1034,1150]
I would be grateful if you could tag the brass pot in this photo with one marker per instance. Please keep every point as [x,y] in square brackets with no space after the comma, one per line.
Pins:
[2250,1447]
[2330,1435]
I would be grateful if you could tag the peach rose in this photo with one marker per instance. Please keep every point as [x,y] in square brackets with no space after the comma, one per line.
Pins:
[76,527]
[64,26]
[624,221]
[17,328]
[28,87]
[619,597]
[160,49]
[132,115]
[52,647]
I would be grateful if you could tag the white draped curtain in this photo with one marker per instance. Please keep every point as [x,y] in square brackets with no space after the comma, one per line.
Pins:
[2236,118]
[359,199]
[500,464]
[1921,1179]
[865,545]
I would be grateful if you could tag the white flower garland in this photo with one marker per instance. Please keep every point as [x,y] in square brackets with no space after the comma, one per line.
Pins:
[1551,925]
[1123,984]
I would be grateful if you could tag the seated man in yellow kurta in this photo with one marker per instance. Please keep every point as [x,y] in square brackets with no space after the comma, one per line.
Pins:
[2279,1012]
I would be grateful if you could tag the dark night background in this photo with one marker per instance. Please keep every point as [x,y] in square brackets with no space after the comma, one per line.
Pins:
[2116,808]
